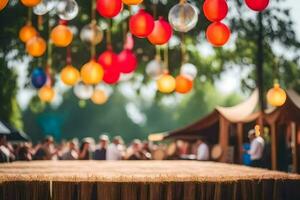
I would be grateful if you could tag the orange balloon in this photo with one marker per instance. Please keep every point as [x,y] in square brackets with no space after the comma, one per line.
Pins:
[36,46]
[61,35]
[132,2]
[166,83]
[99,97]
[3,3]
[27,32]
[92,72]
[30,3]
[69,75]
[276,96]
[217,34]
[183,84]
[46,93]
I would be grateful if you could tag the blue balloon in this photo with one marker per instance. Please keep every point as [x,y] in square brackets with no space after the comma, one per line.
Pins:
[38,77]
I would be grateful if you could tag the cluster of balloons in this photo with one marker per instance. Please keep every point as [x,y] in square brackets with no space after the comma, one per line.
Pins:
[276,96]
[98,95]
[217,33]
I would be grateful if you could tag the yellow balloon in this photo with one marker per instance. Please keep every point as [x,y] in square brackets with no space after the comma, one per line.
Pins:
[3,3]
[276,96]
[61,35]
[30,3]
[132,2]
[27,32]
[46,93]
[92,72]
[166,83]
[36,46]
[99,97]
[69,75]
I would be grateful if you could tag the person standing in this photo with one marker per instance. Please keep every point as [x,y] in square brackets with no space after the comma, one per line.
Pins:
[256,150]
[100,153]
[115,150]
[202,150]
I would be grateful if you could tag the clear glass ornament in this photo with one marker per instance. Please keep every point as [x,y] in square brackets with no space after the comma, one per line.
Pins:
[183,17]
[67,9]
[189,70]
[83,91]
[44,6]
[154,68]
[91,34]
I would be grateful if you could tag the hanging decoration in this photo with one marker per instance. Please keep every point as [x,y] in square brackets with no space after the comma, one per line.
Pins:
[141,24]
[91,72]
[61,35]
[109,8]
[154,68]
[99,97]
[67,9]
[69,75]
[161,33]
[257,5]
[111,75]
[276,96]
[108,59]
[44,7]
[215,10]
[189,70]
[38,77]
[27,32]
[30,3]
[183,17]
[127,61]
[36,46]
[218,34]
[183,84]
[83,91]
[132,2]
[91,33]
[46,93]
[166,83]
[3,4]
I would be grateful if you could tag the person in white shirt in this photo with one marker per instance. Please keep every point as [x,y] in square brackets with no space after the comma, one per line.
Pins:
[202,150]
[256,151]
[114,150]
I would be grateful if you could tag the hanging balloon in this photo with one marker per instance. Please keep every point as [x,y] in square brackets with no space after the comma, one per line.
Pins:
[189,70]
[166,83]
[46,93]
[154,68]
[69,75]
[127,61]
[36,46]
[38,77]
[91,34]
[44,6]
[91,72]
[109,8]
[108,59]
[3,3]
[161,33]
[30,3]
[132,2]
[215,10]
[257,5]
[276,96]
[183,17]
[217,34]
[67,9]
[61,35]
[141,24]
[99,97]
[111,75]
[183,84]
[27,32]
[83,91]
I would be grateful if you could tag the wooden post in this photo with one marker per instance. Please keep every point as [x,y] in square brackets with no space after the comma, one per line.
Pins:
[240,142]
[224,138]
[294,146]
[274,146]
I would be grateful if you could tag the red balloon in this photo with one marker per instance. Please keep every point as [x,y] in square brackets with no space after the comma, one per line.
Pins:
[111,75]
[109,8]
[217,34]
[141,24]
[127,61]
[215,10]
[108,59]
[161,33]
[257,5]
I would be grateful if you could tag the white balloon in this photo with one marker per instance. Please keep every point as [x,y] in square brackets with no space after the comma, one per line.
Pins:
[154,68]
[44,6]
[91,34]
[189,70]
[67,9]
[83,91]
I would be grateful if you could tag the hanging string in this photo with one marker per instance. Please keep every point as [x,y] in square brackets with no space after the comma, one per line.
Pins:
[29,16]
[108,34]
[166,58]
[182,1]
[154,8]
[157,52]
[49,55]
[183,49]
[69,56]
[93,22]
[40,22]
